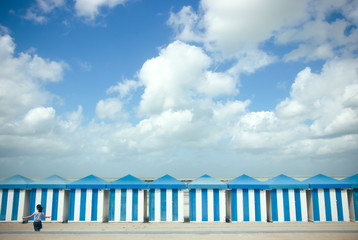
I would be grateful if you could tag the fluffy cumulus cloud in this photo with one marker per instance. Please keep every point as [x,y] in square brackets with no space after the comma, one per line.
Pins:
[189,116]
[178,76]
[22,80]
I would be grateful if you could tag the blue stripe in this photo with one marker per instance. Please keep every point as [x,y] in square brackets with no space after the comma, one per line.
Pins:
[204,205]
[54,209]
[355,202]
[32,203]
[193,205]
[83,205]
[111,205]
[257,205]
[15,205]
[315,204]
[339,204]
[3,204]
[94,205]
[135,205]
[163,204]
[245,198]
[274,205]
[43,200]
[216,205]
[151,205]
[175,204]
[298,205]
[71,205]
[327,202]
[123,204]
[286,205]
[234,204]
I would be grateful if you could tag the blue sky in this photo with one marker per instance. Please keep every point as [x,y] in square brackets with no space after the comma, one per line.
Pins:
[112,87]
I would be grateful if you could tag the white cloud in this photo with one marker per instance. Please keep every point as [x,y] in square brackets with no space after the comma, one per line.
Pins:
[91,8]
[110,108]
[38,11]
[31,15]
[326,98]
[19,76]
[48,5]
[184,23]
[124,88]
[170,78]
[231,26]
[40,119]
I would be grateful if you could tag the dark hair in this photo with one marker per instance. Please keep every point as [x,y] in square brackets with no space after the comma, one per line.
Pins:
[39,207]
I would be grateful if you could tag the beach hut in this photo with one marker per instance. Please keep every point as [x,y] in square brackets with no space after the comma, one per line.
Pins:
[14,198]
[166,200]
[88,200]
[207,200]
[286,200]
[127,197]
[328,199]
[352,197]
[247,199]
[51,193]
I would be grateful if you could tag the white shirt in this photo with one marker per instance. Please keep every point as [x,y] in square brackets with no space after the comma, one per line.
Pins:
[37,216]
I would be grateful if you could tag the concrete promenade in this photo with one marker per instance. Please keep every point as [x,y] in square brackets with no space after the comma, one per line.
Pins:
[89,231]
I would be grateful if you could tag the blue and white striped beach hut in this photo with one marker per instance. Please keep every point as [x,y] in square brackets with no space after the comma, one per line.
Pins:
[287,200]
[126,200]
[207,200]
[352,196]
[166,200]
[328,199]
[247,199]
[88,200]
[51,194]
[14,198]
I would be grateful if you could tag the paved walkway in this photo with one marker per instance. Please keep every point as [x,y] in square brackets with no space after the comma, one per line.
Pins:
[88,231]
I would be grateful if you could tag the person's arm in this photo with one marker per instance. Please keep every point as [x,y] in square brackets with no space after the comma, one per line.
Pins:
[28,216]
[45,216]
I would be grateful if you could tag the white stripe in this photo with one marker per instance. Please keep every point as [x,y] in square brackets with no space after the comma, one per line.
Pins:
[198,206]
[263,205]
[49,200]
[140,205]
[38,197]
[332,195]
[76,216]
[210,194]
[88,205]
[222,205]
[291,200]
[322,205]
[21,211]
[240,206]
[251,193]
[129,205]
[157,205]
[280,212]
[10,199]
[169,207]
[61,204]
[117,205]
[180,205]
[345,205]
[303,205]
[100,205]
